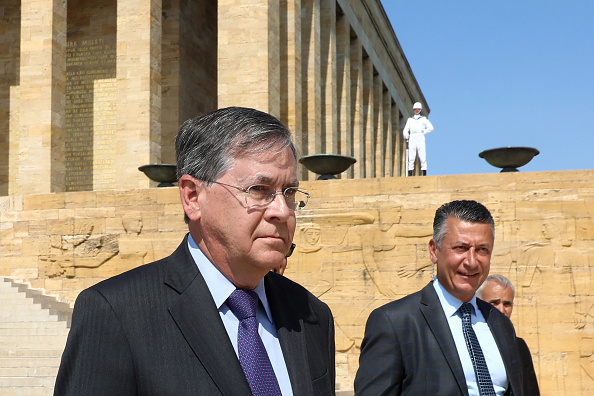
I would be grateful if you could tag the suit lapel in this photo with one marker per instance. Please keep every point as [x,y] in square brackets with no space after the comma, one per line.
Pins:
[291,336]
[432,311]
[198,319]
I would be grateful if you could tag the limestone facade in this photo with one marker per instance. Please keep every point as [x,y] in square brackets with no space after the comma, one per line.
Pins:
[360,243]
[91,90]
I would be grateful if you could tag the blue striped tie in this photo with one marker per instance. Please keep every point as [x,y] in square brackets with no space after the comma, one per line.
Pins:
[481,370]
[252,354]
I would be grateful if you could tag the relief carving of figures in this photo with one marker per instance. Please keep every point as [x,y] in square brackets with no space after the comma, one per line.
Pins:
[83,249]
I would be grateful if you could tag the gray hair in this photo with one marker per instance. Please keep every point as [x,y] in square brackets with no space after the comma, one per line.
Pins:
[499,279]
[206,146]
[469,211]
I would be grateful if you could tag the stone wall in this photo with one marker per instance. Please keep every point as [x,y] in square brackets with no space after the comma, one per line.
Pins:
[360,243]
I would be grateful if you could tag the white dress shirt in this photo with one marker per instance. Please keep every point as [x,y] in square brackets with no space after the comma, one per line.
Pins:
[493,358]
[221,288]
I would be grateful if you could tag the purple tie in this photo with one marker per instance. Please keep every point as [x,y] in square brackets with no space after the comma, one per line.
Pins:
[252,354]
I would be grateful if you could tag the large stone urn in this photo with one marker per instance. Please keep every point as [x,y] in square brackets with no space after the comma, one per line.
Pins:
[509,158]
[327,165]
[164,174]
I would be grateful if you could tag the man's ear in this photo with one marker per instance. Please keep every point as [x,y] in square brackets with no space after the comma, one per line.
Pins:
[189,190]
[432,251]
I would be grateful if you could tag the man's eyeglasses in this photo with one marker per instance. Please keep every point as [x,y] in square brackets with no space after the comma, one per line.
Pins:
[262,195]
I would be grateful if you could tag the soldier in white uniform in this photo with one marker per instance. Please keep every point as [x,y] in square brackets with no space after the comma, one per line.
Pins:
[414,132]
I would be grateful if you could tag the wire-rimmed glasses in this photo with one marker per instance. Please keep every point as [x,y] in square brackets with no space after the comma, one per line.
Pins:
[260,195]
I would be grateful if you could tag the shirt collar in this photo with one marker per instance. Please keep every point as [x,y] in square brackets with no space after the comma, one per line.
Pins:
[219,286]
[450,303]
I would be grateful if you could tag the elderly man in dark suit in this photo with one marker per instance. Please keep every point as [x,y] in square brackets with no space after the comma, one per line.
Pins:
[442,340]
[498,291]
[213,318]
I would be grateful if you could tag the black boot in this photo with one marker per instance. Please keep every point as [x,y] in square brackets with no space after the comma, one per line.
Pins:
[424,172]
[410,173]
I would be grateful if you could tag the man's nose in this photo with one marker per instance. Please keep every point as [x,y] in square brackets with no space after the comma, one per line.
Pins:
[278,207]
[471,257]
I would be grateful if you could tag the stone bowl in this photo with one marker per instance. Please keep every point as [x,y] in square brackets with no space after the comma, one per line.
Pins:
[327,165]
[509,158]
[164,174]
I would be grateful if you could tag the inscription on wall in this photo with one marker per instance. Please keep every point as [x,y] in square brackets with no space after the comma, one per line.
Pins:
[90,114]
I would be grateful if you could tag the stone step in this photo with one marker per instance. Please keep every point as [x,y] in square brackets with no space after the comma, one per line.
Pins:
[49,304]
[34,324]
[32,338]
[33,331]
[12,297]
[34,342]
[13,362]
[28,372]
[30,319]
[29,382]
[27,391]
[33,318]
[23,310]
[30,353]
[7,286]
[18,300]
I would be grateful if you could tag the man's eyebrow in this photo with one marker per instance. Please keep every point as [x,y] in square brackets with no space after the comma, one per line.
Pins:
[263,179]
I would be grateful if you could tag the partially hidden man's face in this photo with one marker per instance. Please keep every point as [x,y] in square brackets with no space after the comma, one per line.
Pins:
[247,242]
[464,259]
[500,297]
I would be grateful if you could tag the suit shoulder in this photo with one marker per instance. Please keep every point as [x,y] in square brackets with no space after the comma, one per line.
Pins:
[401,306]
[279,285]
[145,271]
[281,282]
[150,273]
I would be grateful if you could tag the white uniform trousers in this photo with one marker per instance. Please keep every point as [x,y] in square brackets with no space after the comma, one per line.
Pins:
[416,146]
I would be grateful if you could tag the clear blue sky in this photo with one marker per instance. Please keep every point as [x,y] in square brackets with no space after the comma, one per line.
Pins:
[501,73]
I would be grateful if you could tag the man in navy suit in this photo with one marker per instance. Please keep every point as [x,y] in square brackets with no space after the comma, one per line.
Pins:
[168,328]
[416,345]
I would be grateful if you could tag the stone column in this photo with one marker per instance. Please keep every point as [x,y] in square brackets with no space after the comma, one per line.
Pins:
[42,97]
[388,137]
[138,90]
[248,54]
[343,87]
[368,155]
[291,109]
[9,93]
[328,76]
[312,84]
[171,85]
[379,143]
[402,143]
[356,53]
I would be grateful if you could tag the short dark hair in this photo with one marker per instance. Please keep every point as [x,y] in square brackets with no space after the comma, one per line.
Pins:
[466,210]
[206,146]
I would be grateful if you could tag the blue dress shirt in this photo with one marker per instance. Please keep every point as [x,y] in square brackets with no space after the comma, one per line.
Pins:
[221,288]
[450,305]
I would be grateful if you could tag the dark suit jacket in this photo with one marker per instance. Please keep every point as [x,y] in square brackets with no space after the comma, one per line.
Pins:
[530,381]
[408,349]
[155,330]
